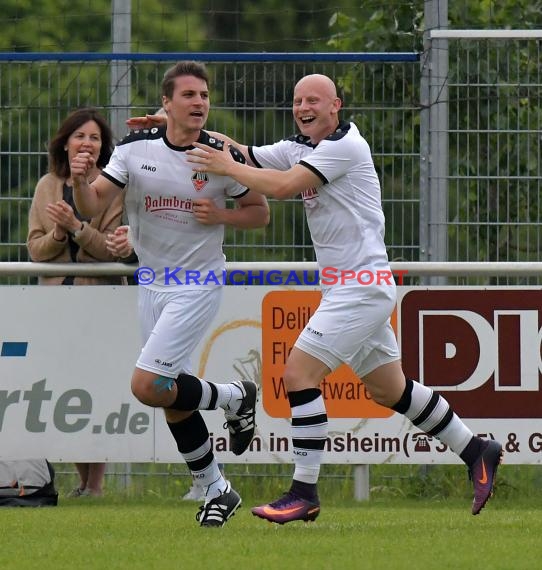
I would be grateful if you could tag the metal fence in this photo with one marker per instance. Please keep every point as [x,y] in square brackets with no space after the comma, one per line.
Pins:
[455,139]
[251,96]
[485,147]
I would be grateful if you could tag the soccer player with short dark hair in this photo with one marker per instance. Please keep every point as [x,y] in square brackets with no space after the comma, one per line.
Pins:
[177,220]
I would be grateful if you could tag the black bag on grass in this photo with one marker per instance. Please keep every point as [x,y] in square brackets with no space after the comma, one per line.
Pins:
[27,483]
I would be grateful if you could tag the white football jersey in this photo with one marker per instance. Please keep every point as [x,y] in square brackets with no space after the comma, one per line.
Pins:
[345,214]
[161,188]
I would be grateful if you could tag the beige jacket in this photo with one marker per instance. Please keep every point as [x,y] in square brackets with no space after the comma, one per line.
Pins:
[91,240]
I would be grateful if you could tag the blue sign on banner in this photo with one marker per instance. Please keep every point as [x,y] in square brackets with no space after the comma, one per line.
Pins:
[14,349]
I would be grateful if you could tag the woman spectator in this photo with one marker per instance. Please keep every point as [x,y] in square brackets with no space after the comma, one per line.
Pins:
[57,233]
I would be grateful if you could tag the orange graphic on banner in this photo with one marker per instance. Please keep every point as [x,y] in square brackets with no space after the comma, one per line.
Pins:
[284,316]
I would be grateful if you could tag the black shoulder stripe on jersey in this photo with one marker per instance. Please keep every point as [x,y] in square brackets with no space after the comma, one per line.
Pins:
[301,139]
[237,154]
[213,142]
[253,158]
[114,180]
[312,169]
[339,132]
[241,195]
[143,134]
[205,138]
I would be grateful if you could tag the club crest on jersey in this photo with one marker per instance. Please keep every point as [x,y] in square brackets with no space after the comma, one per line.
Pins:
[199,180]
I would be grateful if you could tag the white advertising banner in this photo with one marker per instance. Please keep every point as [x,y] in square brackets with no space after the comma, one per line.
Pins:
[67,356]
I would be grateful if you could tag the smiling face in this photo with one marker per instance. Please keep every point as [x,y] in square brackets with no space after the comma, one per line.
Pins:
[188,106]
[86,138]
[316,107]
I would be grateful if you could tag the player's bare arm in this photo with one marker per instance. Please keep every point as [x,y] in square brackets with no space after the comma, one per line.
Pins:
[90,197]
[158,119]
[146,121]
[271,183]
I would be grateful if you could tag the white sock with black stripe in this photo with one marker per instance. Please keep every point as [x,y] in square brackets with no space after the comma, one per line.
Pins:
[309,433]
[431,413]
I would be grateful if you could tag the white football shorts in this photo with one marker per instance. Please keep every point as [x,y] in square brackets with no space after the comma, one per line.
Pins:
[172,325]
[352,326]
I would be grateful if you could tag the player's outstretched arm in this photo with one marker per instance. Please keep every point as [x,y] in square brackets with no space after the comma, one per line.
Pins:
[146,121]
[90,198]
[269,182]
[229,141]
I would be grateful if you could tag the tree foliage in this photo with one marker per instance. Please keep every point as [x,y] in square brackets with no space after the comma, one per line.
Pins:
[495,210]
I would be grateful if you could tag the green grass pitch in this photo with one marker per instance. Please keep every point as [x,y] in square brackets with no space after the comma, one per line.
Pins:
[155,532]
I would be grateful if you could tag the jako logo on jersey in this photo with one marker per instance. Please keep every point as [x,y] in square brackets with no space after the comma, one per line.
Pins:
[148,167]
[199,180]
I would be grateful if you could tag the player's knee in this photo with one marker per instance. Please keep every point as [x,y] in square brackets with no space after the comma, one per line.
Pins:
[383,393]
[293,381]
[143,390]
[386,384]
[138,390]
[382,397]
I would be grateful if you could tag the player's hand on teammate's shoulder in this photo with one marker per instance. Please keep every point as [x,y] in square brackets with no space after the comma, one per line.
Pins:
[146,121]
[208,159]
